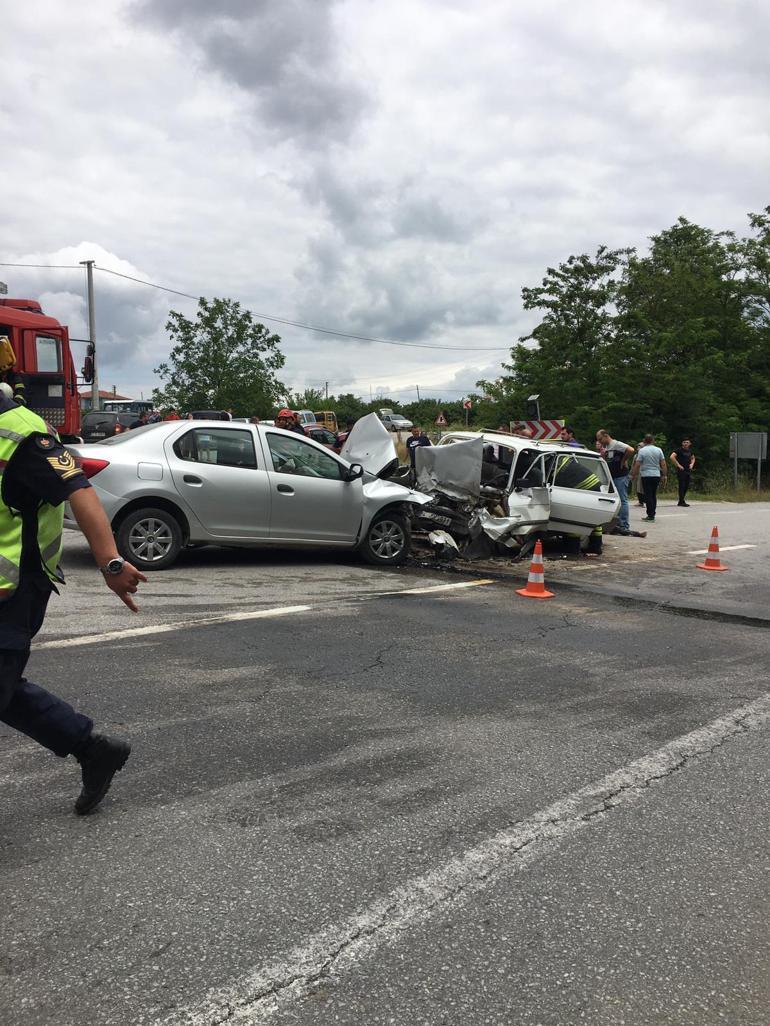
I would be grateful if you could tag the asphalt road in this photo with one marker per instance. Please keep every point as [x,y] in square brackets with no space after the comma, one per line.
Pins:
[405,797]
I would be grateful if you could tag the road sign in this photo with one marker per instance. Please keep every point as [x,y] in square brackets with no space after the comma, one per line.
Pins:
[748,445]
[467,404]
[441,420]
[542,430]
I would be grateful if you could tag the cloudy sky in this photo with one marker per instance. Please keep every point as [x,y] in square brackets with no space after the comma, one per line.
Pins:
[390,169]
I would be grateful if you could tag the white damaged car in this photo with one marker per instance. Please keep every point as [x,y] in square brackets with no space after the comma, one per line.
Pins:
[179,483]
[517,488]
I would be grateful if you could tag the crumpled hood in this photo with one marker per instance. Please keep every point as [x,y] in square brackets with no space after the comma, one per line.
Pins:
[370,444]
[453,470]
[382,492]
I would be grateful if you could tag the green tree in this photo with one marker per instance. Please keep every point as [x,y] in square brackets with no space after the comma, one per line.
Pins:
[310,399]
[223,359]
[566,365]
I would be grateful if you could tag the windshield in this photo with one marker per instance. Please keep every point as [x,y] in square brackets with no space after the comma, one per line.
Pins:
[99,418]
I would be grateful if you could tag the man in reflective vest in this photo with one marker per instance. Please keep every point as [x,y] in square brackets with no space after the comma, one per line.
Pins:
[572,474]
[37,475]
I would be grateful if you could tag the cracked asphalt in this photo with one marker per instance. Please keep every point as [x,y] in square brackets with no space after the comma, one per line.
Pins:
[451,807]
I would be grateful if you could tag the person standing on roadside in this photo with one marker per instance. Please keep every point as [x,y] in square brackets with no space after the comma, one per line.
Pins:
[639,489]
[567,435]
[617,454]
[683,460]
[650,465]
[39,476]
[416,439]
[141,420]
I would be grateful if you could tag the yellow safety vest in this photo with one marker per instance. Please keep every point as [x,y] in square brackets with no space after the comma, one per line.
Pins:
[16,425]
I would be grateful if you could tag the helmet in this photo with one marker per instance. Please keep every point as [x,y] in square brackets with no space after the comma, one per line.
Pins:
[6,390]
[285,413]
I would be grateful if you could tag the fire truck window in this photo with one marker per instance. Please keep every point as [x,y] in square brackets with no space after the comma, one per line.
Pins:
[47,351]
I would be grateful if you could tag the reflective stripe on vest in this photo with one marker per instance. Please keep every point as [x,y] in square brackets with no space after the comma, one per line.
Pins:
[16,425]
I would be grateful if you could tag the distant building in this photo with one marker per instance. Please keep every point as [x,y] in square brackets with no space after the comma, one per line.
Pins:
[85,397]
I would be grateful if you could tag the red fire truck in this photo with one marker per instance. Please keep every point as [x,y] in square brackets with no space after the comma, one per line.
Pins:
[41,361]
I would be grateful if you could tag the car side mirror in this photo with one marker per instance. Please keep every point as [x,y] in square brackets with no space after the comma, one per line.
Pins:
[354,471]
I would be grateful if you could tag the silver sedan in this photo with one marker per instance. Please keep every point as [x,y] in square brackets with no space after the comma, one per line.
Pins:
[169,485]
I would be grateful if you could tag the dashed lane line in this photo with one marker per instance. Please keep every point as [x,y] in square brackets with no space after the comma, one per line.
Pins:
[166,628]
[439,587]
[209,621]
[336,950]
[722,548]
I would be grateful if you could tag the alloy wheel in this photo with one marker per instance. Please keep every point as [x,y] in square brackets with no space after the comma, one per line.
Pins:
[150,539]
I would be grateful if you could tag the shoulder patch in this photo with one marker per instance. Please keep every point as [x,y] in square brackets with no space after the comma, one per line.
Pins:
[44,442]
[64,465]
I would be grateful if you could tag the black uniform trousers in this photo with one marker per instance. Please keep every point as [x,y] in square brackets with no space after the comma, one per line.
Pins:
[683,477]
[650,485]
[24,705]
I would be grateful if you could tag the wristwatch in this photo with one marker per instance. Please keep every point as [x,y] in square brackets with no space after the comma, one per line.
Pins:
[115,566]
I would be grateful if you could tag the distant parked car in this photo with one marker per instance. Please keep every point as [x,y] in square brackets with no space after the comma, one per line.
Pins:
[100,424]
[394,421]
[320,434]
[306,417]
[186,482]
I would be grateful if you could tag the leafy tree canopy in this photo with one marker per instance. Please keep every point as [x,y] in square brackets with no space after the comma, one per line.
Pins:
[221,360]
[675,342]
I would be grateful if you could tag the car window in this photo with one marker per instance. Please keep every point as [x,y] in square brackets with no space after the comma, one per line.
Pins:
[570,470]
[223,447]
[92,419]
[293,456]
[529,467]
[48,354]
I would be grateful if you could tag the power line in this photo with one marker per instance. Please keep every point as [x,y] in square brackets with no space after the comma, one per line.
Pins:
[69,267]
[286,320]
[314,327]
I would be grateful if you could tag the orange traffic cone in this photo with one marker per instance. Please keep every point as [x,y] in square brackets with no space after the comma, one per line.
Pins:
[712,559]
[536,581]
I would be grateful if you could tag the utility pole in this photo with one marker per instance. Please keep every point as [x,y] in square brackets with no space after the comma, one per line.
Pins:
[89,266]
[327,391]
[418,392]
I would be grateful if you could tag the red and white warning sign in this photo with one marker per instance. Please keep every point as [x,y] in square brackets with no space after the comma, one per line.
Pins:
[542,430]
[467,404]
[441,420]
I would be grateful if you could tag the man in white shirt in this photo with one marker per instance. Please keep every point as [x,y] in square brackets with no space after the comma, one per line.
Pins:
[650,464]
[617,455]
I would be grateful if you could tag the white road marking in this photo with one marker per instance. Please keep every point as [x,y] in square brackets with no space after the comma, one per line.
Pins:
[439,587]
[338,948]
[208,621]
[165,628]
[722,548]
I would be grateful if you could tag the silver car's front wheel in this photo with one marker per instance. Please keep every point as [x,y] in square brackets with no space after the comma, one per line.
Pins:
[151,539]
[387,541]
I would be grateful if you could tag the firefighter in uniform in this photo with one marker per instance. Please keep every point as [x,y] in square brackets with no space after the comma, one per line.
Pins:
[37,475]
[572,474]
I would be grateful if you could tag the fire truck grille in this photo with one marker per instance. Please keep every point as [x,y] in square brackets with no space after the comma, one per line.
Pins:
[53,415]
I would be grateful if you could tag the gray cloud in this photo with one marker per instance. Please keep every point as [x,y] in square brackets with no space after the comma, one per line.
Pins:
[285,56]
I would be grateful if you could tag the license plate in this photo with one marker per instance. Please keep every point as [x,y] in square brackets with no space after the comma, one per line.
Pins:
[99,434]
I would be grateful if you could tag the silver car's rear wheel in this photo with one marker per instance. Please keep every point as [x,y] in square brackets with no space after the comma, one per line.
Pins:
[387,541]
[151,539]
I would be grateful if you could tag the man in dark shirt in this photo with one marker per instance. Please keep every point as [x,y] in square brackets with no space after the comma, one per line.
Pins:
[414,441]
[683,459]
[141,420]
[42,473]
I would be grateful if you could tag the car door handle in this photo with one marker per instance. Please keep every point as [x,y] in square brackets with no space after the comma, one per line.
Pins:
[286,489]
[191,479]
[606,500]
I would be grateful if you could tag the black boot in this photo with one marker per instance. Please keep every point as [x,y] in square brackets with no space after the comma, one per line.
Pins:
[100,758]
